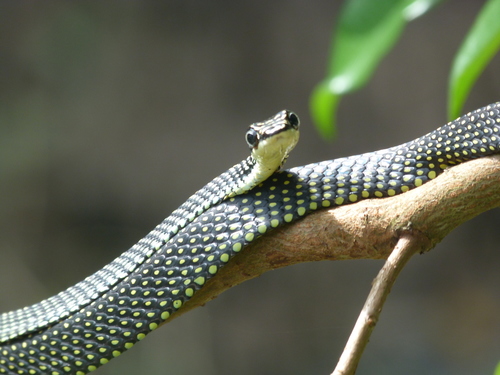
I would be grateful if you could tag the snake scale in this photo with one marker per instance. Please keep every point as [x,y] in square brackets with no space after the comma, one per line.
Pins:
[94,321]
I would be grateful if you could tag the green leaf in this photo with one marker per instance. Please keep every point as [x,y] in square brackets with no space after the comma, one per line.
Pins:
[480,45]
[417,8]
[366,30]
[497,370]
[365,33]
[323,108]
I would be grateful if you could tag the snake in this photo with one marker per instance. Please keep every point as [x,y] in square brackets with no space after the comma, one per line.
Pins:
[109,312]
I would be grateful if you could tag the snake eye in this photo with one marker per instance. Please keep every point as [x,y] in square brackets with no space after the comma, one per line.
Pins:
[293,119]
[252,138]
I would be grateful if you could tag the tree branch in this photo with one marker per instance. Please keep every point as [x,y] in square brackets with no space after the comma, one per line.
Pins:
[409,243]
[414,221]
[368,229]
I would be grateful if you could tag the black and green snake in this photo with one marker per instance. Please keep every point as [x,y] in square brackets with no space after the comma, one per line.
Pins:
[99,318]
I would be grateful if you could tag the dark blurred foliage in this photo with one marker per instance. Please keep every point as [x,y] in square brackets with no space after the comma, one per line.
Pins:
[112,113]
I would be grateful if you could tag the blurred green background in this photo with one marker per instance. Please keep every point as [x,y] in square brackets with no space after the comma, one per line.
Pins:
[113,113]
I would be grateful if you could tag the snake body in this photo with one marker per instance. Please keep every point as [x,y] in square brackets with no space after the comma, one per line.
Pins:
[108,313]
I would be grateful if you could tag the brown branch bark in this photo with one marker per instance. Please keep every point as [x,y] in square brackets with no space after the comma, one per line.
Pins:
[409,243]
[368,229]
[411,222]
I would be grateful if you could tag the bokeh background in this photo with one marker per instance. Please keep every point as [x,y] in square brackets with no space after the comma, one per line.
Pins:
[112,113]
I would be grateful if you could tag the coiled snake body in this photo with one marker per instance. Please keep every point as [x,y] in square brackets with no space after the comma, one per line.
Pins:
[99,318]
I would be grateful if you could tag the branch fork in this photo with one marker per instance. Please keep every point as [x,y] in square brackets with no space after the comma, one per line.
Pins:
[392,228]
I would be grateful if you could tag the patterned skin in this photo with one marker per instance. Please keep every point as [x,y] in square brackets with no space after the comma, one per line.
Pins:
[172,270]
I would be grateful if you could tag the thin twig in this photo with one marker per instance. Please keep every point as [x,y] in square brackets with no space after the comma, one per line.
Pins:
[407,245]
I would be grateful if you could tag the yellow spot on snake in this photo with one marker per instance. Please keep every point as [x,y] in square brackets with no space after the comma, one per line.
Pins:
[200,280]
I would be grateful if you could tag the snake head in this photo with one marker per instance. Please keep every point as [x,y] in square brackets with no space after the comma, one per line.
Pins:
[271,141]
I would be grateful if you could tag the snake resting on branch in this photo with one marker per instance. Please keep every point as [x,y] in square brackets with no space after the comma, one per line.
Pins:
[96,320]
